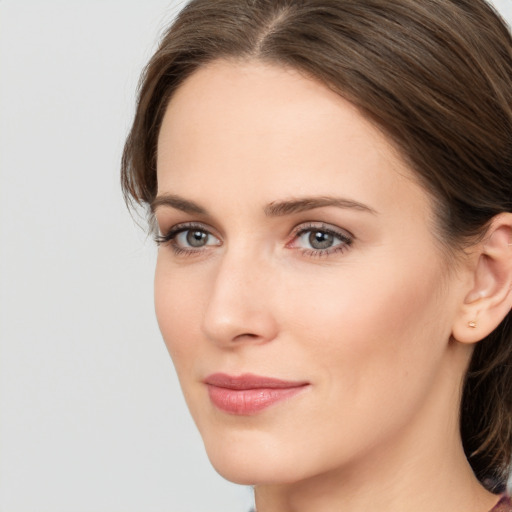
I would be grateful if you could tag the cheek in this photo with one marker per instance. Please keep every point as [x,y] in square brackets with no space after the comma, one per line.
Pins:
[372,322]
[177,307]
[373,342]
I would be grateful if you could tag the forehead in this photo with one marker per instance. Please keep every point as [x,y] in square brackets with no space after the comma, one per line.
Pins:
[267,130]
[238,98]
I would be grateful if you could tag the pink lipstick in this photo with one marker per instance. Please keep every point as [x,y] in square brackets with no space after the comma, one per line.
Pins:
[248,394]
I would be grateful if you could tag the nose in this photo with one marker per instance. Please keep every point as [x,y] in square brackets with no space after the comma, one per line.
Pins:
[239,308]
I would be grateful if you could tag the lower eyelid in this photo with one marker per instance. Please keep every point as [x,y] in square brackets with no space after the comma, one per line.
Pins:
[324,253]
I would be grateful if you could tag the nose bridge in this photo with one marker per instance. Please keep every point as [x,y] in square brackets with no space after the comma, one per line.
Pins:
[239,303]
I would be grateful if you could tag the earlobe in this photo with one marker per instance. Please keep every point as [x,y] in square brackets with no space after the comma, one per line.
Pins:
[490,298]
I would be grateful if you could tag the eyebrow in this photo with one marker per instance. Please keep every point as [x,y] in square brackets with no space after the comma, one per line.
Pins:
[288,207]
[178,203]
[273,209]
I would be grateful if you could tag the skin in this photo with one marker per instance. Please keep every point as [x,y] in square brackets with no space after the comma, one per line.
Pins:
[367,323]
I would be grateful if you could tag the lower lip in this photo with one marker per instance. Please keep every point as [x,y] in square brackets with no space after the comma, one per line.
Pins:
[249,401]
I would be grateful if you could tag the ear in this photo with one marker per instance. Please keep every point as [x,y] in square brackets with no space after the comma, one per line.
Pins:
[490,298]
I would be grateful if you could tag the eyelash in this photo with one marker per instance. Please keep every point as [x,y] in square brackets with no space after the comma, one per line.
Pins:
[169,238]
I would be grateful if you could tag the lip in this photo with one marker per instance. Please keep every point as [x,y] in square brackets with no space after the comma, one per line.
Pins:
[249,394]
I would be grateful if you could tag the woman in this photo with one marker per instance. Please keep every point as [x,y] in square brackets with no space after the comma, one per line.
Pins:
[331,186]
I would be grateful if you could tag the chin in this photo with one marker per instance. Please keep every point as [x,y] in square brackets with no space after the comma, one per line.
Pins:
[240,473]
[255,458]
[252,472]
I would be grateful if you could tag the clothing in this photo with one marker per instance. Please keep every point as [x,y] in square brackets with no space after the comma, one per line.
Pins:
[504,505]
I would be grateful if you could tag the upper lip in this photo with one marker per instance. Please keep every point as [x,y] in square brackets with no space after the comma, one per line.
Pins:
[250,381]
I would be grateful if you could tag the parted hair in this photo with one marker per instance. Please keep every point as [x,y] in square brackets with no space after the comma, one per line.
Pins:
[434,75]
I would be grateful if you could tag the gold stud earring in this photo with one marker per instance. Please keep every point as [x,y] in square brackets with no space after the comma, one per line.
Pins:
[472,324]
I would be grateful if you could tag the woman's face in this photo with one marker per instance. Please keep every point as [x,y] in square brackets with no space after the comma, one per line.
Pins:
[299,287]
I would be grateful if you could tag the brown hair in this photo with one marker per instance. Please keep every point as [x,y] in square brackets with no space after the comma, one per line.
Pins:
[434,75]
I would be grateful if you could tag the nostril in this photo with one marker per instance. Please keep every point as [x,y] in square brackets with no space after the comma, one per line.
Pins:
[245,335]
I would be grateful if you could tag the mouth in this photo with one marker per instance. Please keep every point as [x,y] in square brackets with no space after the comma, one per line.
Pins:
[249,394]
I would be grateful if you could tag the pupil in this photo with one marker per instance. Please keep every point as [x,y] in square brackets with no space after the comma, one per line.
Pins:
[320,240]
[196,238]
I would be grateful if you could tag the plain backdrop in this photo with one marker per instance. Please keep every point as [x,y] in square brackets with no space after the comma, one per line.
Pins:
[91,415]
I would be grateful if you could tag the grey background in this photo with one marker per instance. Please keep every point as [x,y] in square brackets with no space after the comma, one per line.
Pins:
[91,415]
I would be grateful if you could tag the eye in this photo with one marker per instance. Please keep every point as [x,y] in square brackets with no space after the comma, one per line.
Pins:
[317,240]
[192,238]
[188,238]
